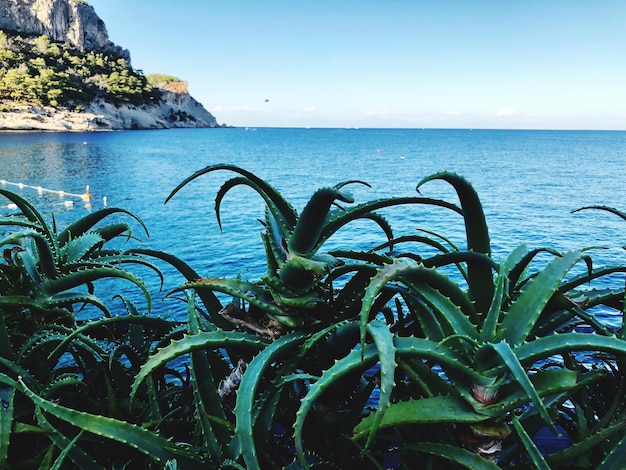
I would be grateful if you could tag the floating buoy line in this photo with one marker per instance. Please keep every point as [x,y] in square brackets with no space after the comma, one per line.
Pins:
[86,196]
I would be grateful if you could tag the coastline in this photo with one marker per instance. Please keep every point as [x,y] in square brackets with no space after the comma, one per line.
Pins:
[104,116]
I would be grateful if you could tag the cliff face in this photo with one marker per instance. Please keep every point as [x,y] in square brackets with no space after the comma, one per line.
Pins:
[70,21]
[75,22]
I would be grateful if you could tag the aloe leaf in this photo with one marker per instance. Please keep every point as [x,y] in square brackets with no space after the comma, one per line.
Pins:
[343,184]
[19,222]
[38,346]
[66,299]
[20,301]
[280,219]
[112,231]
[45,253]
[449,242]
[308,228]
[355,360]
[244,290]
[450,316]
[428,323]
[6,346]
[376,284]
[88,275]
[449,360]
[244,408]
[143,440]
[612,210]
[382,222]
[339,331]
[109,259]
[525,311]
[524,262]
[367,356]
[84,329]
[412,239]
[75,453]
[463,457]
[456,257]
[265,190]
[383,339]
[45,241]
[480,277]
[27,209]
[547,383]
[277,235]
[364,256]
[203,340]
[84,224]
[66,450]
[476,225]
[424,283]
[206,397]
[340,219]
[535,455]
[541,348]
[228,463]
[586,446]
[209,300]
[299,273]
[490,323]
[588,277]
[7,394]
[273,255]
[77,248]
[518,372]
[436,409]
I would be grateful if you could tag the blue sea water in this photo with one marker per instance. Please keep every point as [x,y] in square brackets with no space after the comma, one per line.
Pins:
[528,182]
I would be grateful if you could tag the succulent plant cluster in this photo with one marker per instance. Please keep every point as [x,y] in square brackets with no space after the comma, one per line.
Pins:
[415,353]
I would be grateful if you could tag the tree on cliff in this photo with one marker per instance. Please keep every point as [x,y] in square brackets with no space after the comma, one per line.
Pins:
[38,70]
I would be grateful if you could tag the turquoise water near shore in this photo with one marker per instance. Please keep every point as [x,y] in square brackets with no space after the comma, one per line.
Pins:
[528,181]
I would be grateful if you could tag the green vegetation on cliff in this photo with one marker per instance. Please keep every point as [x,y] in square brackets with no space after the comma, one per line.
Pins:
[40,71]
[155,79]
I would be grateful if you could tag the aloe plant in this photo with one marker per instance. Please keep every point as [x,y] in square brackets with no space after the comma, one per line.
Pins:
[419,352]
[510,323]
[58,366]
[294,292]
[485,331]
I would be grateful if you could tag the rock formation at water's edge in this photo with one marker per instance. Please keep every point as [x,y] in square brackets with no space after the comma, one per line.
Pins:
[73,26]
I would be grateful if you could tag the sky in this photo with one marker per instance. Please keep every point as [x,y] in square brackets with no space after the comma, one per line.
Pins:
[532,64]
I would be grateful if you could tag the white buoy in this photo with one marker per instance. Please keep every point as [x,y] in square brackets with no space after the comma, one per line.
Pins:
[104,201]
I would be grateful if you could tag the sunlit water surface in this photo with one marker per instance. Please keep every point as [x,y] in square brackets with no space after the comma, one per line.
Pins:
[528,182]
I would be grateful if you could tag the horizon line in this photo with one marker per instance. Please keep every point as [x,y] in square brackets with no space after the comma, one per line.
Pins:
[228,126]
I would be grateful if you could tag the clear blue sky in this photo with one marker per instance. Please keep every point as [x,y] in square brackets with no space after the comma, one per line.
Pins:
[533,64]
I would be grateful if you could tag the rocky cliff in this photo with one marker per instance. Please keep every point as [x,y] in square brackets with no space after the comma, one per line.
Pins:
[72,21]
[99,105]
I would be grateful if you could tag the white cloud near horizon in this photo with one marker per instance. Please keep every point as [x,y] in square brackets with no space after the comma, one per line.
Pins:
[221,108]
[506,112]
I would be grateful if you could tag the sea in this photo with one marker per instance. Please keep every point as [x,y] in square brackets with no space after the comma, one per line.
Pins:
[529,183]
